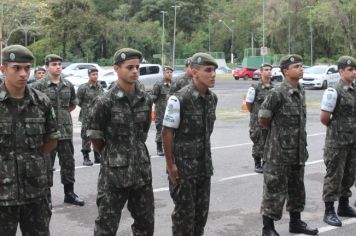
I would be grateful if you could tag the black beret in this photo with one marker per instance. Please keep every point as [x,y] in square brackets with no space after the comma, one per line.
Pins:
[52,57]
[17,53]
[201,58]
[124,54]
[289,60]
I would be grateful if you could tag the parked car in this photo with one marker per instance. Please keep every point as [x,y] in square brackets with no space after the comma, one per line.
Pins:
[223,70]
[276,74]
[256,74]
[320,76]
[245,73]
[77,68]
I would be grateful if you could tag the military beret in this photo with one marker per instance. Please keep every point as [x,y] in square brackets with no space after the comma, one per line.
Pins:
[265,65]
[289,60]
[167,68]
[52,57]
[187,61]
[201,58]
[92,69]
[124,54]
[346,61]
[40,69]
[17,53]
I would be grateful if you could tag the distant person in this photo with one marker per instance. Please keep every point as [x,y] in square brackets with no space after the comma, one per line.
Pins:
[338,114]
[159,95]
[118,130]
[184,80]
[28,132]
[284,113]
[86,95]
[39,73]
[255,96]
[187,126]
[62,95]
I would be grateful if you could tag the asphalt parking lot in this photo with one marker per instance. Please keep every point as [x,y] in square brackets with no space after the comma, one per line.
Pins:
[236,189]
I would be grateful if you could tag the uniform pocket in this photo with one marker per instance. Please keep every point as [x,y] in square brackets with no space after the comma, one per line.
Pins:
[35,129]
[36,176]
[7,179]
[5,132]
[117,171]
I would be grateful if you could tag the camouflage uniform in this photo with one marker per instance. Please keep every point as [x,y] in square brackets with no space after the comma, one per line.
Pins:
[86,95]
[160,95]
[180,83]
[62,96]
[192,156]
[258,133]
[125,174]
[340,146]
[285,151]
[25,125]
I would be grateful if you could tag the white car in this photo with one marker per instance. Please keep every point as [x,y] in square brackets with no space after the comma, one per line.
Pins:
[276,74]
[320,76]
[78,68]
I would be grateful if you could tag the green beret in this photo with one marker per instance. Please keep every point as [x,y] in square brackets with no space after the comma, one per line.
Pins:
[201,58]
[124,54]
[167,68]
[17,53]
[187,61]
[266,65]
[346,61]
[40,69]
[289,60]
[51,58]
[92,69]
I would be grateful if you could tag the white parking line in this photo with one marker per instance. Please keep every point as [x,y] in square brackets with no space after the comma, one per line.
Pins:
[329,227]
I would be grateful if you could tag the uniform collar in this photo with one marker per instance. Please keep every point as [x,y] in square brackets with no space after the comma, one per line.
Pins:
[61,81]
[119,93]
[345,86]
[92,86]
[290,88]
[4,94]
[196,94]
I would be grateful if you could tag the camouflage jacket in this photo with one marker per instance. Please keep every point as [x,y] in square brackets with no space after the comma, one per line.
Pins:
[25,125]
[86,95]
[287,140]
[192,150]
[180,83]
[62,96]
[160,95]
[341,131]
[123,125]
[261,93]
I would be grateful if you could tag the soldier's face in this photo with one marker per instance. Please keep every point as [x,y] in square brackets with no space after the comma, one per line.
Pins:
[348,74]
[16,74]
[129,71]
[205,75]
[168,75]
[39,74]
[93,77]
[54,68]
[294,71]
[266,73]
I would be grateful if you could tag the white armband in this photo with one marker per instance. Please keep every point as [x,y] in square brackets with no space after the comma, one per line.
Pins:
[250,96]
[328,102]
[172,115]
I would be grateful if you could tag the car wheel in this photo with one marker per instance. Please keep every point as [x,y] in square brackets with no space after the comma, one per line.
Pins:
[236,78]
[325,84]
[245,77]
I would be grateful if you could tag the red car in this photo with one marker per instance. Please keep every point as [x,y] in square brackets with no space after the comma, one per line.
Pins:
[245,73]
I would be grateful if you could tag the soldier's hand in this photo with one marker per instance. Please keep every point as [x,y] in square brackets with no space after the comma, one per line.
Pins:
[173,174]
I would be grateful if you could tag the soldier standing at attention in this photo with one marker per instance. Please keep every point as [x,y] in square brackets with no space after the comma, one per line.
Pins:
[28,131]
[338,113]
[62,95]
[159,95]
[256,94]
[86,94]
[118,130]
[184,80]
[187,126]
[284,113]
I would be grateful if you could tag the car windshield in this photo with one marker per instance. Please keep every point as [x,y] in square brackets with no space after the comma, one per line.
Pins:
[315,70]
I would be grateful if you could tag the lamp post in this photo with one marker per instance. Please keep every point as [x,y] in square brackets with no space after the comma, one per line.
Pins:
[232,39]
[162,49]
[174,33]
[25,29]
[263,29]
[311,35]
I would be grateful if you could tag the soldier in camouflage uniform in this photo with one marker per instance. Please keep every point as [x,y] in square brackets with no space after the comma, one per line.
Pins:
[62,95]
[338,113]
[159,95]
[184,80]
[187,126]
[255,96]
[28,131]
[39,73]
[118,130]
[284,113]
[86,95]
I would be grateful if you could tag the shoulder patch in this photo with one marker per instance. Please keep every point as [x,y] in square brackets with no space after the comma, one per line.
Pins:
[250,96]
[172,114]
[329,100]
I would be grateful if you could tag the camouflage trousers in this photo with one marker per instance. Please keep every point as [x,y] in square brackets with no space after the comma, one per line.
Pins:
[65,152]
[33,218]
[191,197]
[340,173]
[258,136]
[281,183]
[158,123]
[140,203]
[85,139]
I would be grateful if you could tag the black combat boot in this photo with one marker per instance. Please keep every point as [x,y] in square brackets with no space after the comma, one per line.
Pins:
[344,209]
[330,216]
[258,166]
[296,225]
[96,157]
[268,227]
[87,161]
[70,197]
[159,149]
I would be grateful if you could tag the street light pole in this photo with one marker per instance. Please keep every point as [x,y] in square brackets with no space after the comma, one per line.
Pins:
[311,35]
[232,39]
[162,50]
[25,29]
[174,34]
[263,29]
